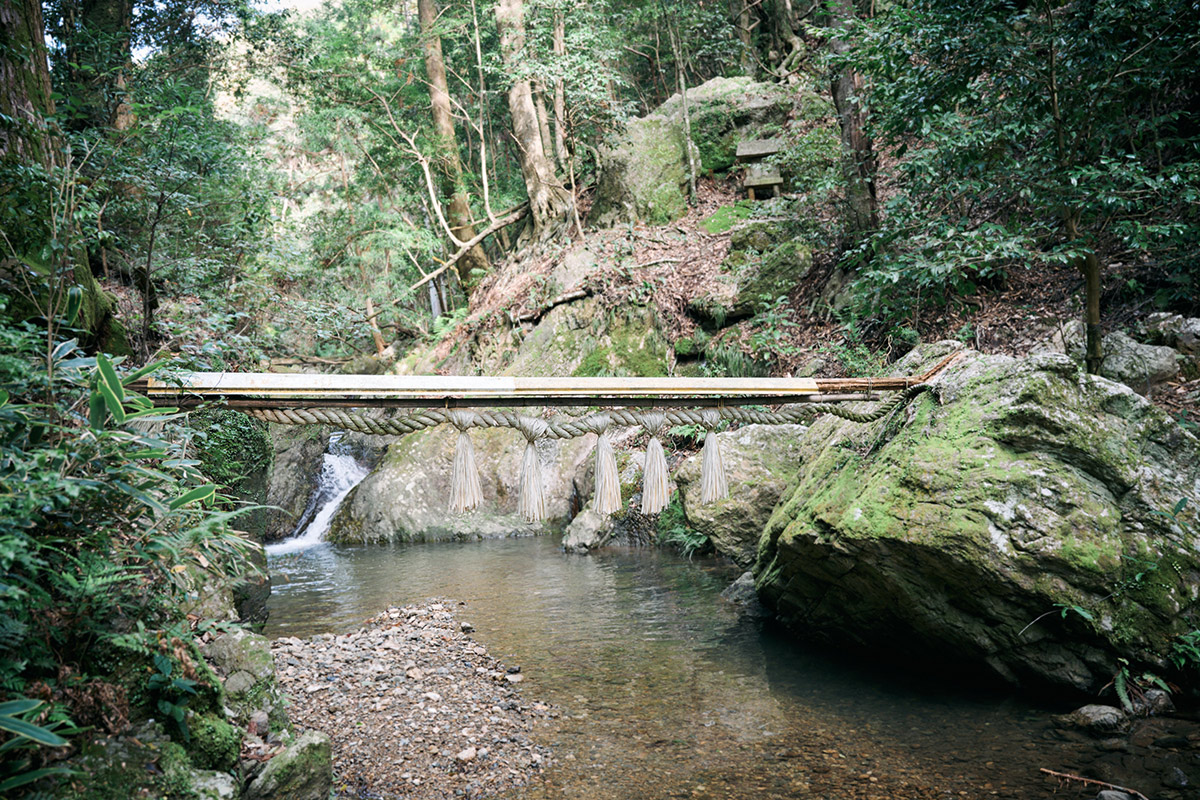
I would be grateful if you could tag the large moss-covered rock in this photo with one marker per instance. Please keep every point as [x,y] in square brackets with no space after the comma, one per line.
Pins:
[405,498]
[644,170]
[643,175]
[766,259]
[964,525]
[760,461]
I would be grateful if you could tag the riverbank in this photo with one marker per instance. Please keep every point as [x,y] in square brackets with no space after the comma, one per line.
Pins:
[415,707]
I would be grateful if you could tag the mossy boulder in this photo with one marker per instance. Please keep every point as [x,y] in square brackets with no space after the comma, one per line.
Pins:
[760,461]
[766,259]
[644,170]
[965,524]
[304,771]
[643,174]
[214,743]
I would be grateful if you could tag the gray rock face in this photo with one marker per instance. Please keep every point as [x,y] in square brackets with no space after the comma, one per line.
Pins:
[298,453]
[303,771]
[406,497]
[1097,719]
[1137,365]
[760,462]
[1018,487]
[243,661]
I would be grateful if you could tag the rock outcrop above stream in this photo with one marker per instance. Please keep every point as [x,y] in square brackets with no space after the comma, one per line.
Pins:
[405,498]
[1016,517]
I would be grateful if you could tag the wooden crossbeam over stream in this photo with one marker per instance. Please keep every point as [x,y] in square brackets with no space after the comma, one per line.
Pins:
[289,390]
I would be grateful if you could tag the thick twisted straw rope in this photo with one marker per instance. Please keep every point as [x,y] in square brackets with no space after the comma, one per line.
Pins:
[571,427]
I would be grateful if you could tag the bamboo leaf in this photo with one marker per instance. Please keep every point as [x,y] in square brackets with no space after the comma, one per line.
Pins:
[37,733]
[200,493]
[74,303]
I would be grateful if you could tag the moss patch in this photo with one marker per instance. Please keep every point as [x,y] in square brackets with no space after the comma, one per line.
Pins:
[726,217]
[214,743]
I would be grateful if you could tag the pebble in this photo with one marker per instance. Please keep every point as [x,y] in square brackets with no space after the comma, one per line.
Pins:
[415,707]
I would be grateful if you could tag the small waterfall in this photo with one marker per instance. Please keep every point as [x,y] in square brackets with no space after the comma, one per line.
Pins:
[340,472]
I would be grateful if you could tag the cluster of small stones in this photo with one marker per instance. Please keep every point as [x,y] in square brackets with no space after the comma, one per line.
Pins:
[415,707]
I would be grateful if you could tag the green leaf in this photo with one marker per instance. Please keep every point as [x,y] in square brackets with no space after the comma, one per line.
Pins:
[3,397]
[37,733]
[74,303]
[201,493]
[33,775]
[1180,506]
[112,401]
[18,706]
[138,373]
[108,377]
[96,411]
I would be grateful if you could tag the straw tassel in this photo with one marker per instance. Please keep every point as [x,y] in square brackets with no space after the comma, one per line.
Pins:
[607,498]
[713,484]
[466,493]
[654,480]
[531,500]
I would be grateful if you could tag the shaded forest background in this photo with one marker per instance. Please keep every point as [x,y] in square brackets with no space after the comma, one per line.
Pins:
[212,185]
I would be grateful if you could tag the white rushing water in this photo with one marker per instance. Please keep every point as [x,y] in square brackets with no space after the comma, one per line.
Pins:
[340,472]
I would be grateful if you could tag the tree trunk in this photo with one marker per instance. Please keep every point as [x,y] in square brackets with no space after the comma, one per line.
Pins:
[1089,267]
[560,93]
[100,56]
[24,84]
[858,160]
[458,208]
[539,97]
[549,202]
[741,20]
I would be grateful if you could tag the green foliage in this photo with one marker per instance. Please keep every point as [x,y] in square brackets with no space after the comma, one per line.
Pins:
[102,525]
[230,446]
[1030,135]
[170,694]
[672,530]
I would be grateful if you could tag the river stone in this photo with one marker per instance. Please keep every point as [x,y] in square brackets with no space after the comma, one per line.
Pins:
[1097,719]
[405,498]
[962,524]
[303,771]
[760,462]
[587,531]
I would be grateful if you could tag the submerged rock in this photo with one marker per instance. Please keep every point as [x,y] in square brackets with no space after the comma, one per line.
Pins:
[1011,518]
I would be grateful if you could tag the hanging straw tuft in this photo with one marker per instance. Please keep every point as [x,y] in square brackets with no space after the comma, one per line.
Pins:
[713,484]
[531,500]
[654,474]
[607,498]
[465,491]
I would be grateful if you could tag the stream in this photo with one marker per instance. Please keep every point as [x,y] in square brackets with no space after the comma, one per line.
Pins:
[668,690]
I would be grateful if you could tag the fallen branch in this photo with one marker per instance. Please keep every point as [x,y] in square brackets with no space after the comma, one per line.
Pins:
[658,261]
[503,222]
[565,297]
[1064,776]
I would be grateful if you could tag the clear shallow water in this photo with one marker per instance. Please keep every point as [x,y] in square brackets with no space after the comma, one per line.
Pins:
[667,690]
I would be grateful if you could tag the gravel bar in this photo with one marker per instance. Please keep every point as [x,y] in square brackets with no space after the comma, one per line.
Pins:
[415,707]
